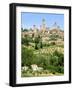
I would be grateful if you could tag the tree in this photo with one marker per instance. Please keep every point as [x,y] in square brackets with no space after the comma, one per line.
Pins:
[32,35]
[36,42]
[41,46]
[25,40]
[26,56]
[60,57]
[25,29]
[36,45]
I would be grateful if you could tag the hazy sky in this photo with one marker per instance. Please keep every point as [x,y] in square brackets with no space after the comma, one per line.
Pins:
[30,19]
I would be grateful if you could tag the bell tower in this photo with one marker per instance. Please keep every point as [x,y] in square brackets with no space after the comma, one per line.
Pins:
[43,25]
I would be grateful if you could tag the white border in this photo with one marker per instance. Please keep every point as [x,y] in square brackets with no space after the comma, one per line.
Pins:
[65,77]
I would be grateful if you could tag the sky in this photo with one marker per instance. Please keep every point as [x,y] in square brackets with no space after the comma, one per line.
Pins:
[29,19]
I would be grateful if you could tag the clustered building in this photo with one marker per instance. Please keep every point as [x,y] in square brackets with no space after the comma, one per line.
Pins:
[44,31]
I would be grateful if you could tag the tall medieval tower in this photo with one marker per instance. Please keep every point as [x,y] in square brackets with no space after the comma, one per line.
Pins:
[35,30]
[43,25]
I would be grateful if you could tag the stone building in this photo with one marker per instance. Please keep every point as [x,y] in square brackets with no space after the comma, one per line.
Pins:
[44,32]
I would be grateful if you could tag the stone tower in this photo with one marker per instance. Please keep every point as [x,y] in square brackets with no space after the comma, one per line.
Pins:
[43,25]
[34,28]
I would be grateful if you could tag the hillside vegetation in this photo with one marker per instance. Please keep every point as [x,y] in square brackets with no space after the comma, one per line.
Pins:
[46,57]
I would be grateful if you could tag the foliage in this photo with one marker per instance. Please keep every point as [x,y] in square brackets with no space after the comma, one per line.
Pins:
[36,40]
[52,43]
[41,45]
[25,30]
[54,62]
[54,37]
[27,56]
[25,41]
[36,46]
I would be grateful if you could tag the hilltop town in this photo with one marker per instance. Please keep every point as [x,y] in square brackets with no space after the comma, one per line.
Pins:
[48,35]
[42,51]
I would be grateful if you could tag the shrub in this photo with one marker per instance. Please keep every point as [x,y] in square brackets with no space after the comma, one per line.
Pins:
[54,69]
[52,43]
[60,58]
[27,56]
[54,60]
[36,40]
[36,46]
[41,45]
[25,41]
[60,69]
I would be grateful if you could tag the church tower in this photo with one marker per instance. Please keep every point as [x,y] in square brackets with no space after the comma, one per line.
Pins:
[43,25]
[35,30]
